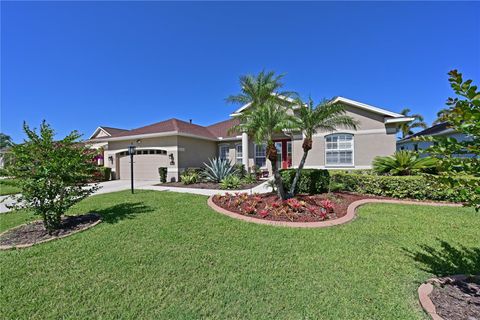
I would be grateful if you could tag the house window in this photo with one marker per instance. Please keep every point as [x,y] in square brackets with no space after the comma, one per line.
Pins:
[260,155]
[224,152]
[238,154]
[339,149]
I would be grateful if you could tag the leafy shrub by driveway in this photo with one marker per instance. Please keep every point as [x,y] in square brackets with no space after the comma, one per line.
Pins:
[421,187]
[312,181]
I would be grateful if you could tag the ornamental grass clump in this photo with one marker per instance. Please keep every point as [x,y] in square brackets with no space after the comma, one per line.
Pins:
[52,175]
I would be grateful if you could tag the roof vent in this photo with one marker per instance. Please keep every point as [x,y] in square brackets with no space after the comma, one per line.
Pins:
[190,121]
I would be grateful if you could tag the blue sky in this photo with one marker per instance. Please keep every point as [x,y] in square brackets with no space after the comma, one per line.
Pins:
[126,64]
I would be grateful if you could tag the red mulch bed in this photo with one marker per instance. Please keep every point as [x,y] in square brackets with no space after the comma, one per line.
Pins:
[302,208]
[35,231]
[457,299]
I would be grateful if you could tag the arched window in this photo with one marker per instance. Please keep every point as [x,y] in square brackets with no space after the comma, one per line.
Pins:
[339,150]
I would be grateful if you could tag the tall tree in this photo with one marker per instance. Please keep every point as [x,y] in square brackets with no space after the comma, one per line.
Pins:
[266,114]
[406,128]
[5,141]
[312,118]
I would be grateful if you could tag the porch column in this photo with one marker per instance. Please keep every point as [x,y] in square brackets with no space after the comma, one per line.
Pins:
[245,150]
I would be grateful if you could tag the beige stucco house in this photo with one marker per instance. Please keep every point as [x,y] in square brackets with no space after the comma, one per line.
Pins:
[179,145]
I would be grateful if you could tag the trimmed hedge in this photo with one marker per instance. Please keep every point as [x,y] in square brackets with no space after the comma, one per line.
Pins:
[421,187]
[162,171]
[312,181]
[106,173]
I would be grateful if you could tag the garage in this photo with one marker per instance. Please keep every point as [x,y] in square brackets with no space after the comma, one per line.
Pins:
[145,164]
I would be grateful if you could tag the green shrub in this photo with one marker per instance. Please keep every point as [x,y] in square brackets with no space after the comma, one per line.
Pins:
[162,171]
[106,173]
[231,182]
[249,178]
[311,181]
[239,170]
[421,187]
[189,177]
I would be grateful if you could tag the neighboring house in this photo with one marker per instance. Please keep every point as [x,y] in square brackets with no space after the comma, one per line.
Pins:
[441,129]
[179,145]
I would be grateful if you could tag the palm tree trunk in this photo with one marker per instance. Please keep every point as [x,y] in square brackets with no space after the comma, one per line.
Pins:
[272,156]
[278,181]
[306,146]
[291,193]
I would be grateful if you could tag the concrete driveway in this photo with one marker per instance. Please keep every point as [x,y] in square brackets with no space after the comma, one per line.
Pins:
[106,187]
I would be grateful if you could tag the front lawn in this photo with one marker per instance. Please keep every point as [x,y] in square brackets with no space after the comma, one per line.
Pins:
[167,255]
[7,186]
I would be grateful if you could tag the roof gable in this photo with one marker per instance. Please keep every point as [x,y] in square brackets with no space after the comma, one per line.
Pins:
[103,131]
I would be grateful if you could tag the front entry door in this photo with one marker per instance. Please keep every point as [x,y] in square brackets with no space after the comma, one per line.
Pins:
[279,147]
[284,151]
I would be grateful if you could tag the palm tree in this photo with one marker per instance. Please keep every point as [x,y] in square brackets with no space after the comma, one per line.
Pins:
[403,163]
[262,123]
[5,141]
[441,116]
[266,115]
[325,116]
[406,127]
[257,89]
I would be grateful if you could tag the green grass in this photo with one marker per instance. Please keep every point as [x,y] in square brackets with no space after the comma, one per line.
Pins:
[7,186]
[167,255]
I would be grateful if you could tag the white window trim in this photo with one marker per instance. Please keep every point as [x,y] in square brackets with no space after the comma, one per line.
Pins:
[236,154]
[255,155]
[220,151]
[339,165]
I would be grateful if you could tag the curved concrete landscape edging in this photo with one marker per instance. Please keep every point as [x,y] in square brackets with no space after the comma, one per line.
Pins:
[351,213]
[423,295]
[21,246]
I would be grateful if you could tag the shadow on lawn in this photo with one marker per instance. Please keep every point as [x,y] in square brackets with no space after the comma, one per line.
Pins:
[122,211]
[448,260]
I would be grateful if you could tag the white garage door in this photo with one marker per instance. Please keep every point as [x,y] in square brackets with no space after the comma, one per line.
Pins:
[145,164]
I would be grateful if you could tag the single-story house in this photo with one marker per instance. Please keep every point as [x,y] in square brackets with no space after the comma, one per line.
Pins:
[439,130]
[179,145]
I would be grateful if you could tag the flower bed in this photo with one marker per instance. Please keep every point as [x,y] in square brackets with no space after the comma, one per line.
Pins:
[302,208]
[32,233]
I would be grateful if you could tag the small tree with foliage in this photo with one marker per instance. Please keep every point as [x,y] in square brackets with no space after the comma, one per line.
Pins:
[463,115]
[52,175]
